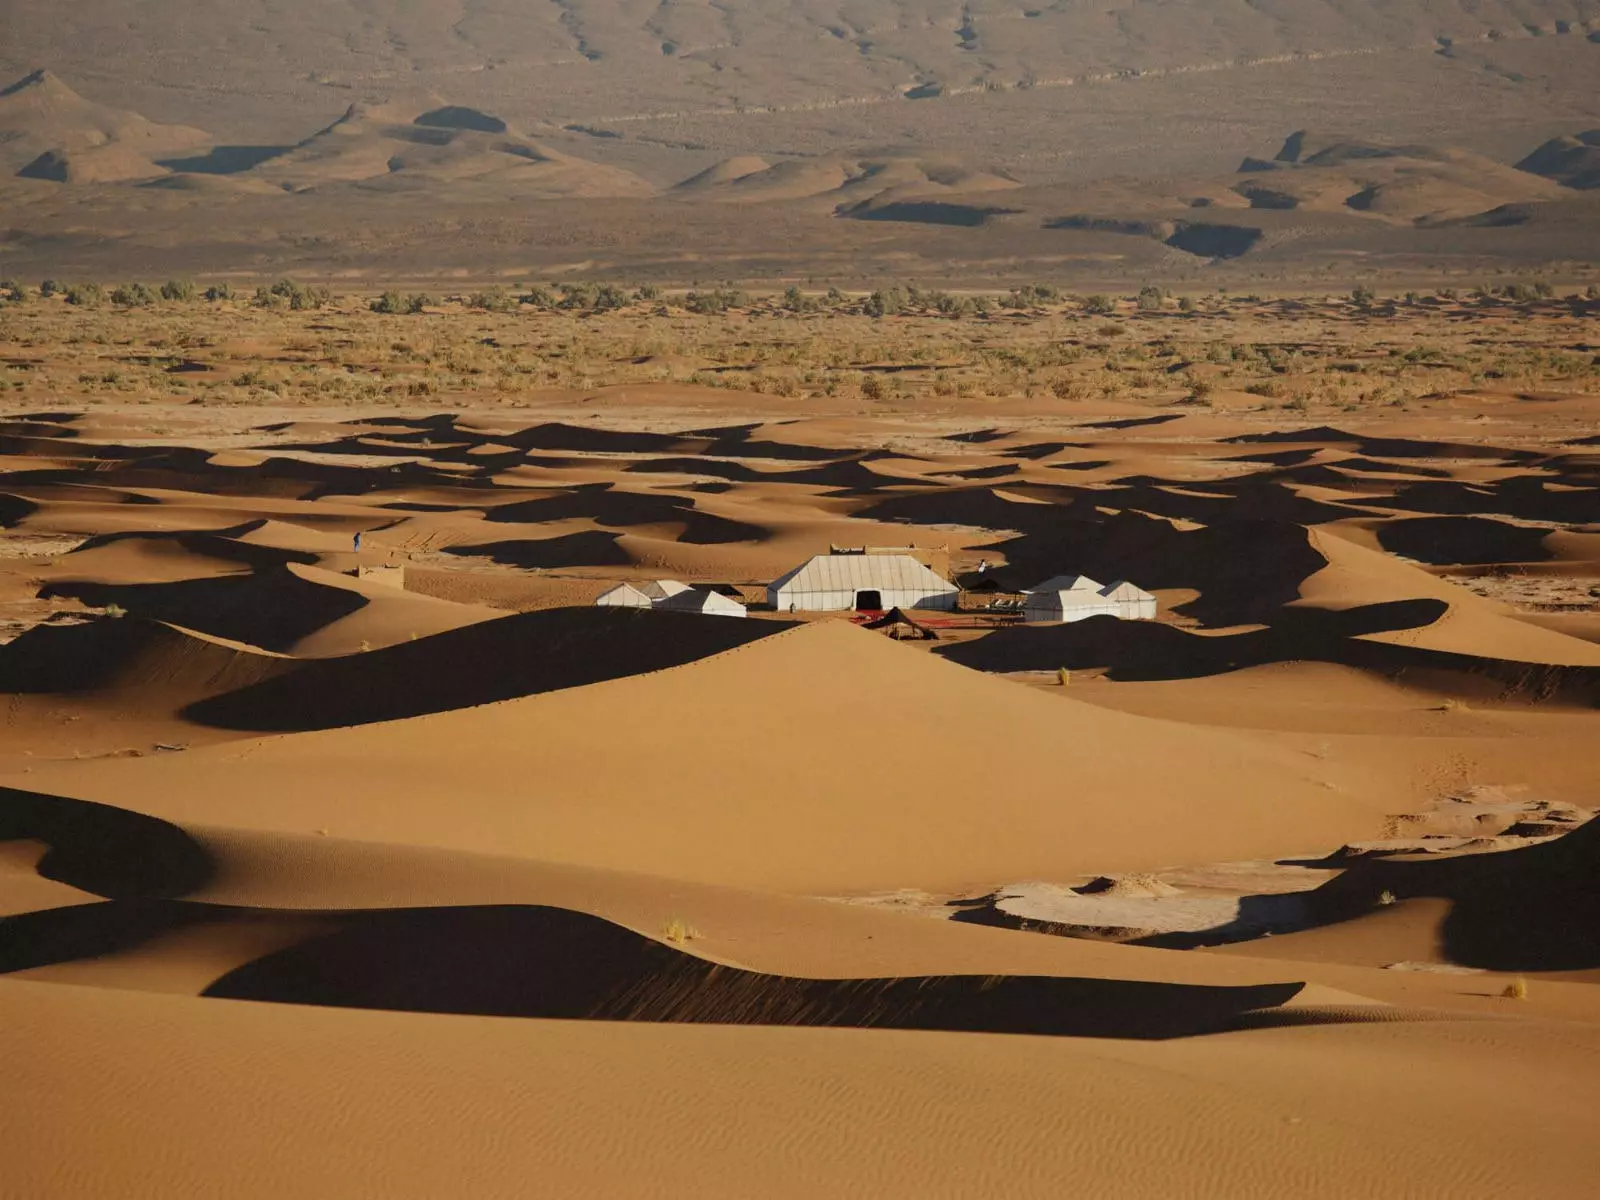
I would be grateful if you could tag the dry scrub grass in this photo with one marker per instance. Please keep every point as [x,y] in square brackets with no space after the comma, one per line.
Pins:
[1304,356]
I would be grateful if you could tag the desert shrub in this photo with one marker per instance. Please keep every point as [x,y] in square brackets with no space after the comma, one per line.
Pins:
[647,292]
[872,387]
[678,931]
[796,301]
[492,300]
[218,292]
[885,302]
[1362,296]
[12,292]
[300,296]
[608,297]
[132,295]
[390,302]
[1592,292]
[714,302]
[576,295]
[1185,304]
[177,289]
[1099,304]
[265,297]
[538,297]
[1149,299]
[418,302]
[1199,393]
[85,295]
[51,287]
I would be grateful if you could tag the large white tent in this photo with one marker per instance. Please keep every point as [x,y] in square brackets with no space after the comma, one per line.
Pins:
[1077,598]
[870,582]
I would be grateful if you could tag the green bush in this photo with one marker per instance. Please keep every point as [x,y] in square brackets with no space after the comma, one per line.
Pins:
[85,295]
[1149,299]
[177,289]
[218,292]
[51,287]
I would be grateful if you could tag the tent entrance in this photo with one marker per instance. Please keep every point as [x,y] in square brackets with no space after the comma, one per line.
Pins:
[869,601]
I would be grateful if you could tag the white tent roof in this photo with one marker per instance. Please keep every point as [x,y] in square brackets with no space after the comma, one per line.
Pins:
[1067,583]
[709,603]
[624,594]
[1123,590]
[863,572]
[661,589]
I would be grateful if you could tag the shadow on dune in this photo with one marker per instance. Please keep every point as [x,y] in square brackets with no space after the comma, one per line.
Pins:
[1145,650]
[554,963]
[14,508]
[1451,541]
[530,961]
[272,608]
[1535,908]
[156,667]
[592,548]
[512,656]
[610,506]
[106,851]
[220,544]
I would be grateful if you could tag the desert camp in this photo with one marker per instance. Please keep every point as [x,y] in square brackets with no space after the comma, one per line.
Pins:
[759,601]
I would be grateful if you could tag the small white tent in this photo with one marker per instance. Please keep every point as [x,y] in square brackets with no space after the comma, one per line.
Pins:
[711,604]
[1077,598]
[624,595]
[671,595]
[870,582]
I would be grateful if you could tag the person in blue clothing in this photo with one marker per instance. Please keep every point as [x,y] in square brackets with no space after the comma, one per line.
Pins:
[358,539]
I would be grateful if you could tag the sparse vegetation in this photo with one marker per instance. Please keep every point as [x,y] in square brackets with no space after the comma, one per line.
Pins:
[677,931]
[939,346]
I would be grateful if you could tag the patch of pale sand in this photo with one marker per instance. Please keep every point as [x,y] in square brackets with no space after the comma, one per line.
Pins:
[824,760]
[143,1095]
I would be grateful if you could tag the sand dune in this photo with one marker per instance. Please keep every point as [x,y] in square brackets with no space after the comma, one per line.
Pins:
[49,132]
[417,144]
[948,733]
[283,849]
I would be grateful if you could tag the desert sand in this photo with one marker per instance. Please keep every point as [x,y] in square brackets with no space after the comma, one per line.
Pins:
[389,865]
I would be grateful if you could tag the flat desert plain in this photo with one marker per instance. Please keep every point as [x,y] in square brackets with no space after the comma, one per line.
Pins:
[349,849]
